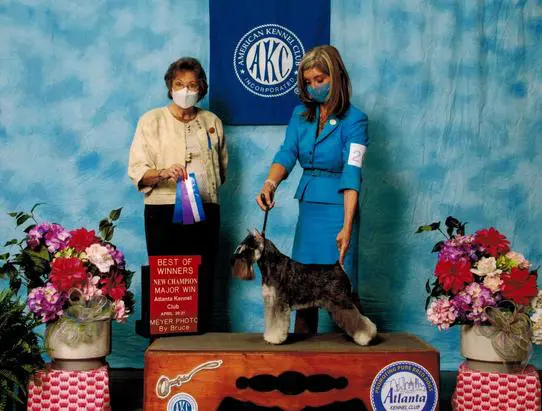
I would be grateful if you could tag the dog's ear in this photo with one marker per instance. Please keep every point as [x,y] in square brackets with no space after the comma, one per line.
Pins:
[255,233]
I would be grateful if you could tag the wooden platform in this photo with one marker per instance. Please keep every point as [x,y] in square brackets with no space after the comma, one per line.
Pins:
[326,372]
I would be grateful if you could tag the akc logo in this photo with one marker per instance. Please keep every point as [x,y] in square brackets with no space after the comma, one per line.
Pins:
[182,402]
[404,385]
[266,60]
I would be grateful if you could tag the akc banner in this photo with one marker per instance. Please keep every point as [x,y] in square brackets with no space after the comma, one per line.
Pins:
[256,48]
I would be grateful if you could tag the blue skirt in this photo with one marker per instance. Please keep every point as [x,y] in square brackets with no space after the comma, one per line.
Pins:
[315,243]
[316,233]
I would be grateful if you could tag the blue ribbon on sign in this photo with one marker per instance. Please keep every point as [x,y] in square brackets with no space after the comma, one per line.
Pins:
[188,204]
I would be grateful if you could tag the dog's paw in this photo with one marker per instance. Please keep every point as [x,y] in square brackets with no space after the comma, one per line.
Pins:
[371,328]
[274,338]
[364,337]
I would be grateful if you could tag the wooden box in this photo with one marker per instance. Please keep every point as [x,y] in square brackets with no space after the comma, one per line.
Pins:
[237,372]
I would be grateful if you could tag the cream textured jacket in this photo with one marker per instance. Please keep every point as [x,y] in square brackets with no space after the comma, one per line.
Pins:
[160,141]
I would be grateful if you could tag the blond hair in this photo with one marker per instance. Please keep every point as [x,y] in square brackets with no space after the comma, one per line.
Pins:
[328,60]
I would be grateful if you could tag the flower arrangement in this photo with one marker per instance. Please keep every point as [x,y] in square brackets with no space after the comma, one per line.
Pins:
[480,280]
[69,274]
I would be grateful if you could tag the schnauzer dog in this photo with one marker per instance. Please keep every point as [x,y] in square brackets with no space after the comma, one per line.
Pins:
[288,285]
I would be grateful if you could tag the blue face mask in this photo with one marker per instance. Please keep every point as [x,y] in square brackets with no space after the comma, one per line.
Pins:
[319,94]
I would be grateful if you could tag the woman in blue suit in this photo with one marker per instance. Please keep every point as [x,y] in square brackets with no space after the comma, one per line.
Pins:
[328,136]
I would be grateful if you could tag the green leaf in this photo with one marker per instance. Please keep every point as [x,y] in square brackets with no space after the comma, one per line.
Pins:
[27,230]
[15,284]
[452,222]
[13,214]
[104,223]
[22,219]
[11,242]
[423,228]
[427,287]
[108,233]
[115,214]
[428,227]
[4,257]
[437,247]
[35,206]
[450,231]
[427,300]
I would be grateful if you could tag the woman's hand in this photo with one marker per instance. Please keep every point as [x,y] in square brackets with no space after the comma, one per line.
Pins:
[343,242]
[265,198]
[173,173]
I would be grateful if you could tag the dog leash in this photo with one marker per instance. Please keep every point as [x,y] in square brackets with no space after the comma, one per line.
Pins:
[262,197]
[266,213]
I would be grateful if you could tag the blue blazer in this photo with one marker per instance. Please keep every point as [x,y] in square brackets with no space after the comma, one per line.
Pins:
[332,161]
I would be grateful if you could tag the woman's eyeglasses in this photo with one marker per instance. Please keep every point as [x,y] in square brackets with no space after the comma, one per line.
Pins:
[192,86]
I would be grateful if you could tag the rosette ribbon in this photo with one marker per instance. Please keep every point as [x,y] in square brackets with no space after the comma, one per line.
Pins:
[188,203]
[510,334]
[79,324]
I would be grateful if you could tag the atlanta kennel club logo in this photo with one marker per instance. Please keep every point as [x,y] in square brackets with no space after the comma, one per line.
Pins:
[266,60]
[404,385]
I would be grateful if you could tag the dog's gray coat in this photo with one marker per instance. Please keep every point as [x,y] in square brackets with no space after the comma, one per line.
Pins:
[288,285]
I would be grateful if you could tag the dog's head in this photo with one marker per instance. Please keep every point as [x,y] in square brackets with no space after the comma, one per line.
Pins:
[246,254]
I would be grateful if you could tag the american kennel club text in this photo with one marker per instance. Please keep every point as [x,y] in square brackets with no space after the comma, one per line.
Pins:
[266,60]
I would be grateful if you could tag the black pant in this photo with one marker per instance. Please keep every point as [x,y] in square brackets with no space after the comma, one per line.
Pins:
[166,238]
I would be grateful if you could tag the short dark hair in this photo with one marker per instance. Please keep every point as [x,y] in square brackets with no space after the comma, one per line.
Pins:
[187,64]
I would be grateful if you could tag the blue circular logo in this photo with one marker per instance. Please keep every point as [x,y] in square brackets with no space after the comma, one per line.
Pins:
[404,385]
[182,402]
[266,60]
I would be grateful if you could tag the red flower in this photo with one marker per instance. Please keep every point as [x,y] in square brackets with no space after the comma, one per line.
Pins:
[519,286]
[67,273]
[453,275]
[81,238]
[493,242]
[114,286]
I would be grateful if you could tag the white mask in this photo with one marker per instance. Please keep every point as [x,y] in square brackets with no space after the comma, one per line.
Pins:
[185,98]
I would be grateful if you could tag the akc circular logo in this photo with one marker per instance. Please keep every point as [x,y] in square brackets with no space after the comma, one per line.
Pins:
[266,60]
[404,385]
[182,402]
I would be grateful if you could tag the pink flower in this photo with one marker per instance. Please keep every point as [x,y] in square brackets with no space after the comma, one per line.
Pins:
[91,288]
[441,313]
[121,314]
[518,260]
[56,238]
[46,302]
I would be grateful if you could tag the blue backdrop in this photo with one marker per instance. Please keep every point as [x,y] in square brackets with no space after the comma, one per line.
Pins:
[453,93]
[255,49]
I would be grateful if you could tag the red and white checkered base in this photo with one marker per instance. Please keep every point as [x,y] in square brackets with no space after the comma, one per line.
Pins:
[493,391]
[71,391]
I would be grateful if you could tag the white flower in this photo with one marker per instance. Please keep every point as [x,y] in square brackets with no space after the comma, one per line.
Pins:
[99,256]
[493,282]
[536,318]
[536,302]
[486,266]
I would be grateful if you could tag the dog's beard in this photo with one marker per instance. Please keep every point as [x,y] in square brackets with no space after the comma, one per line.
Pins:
[242,270]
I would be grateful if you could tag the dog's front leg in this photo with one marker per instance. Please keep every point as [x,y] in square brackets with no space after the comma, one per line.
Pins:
[276,316]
